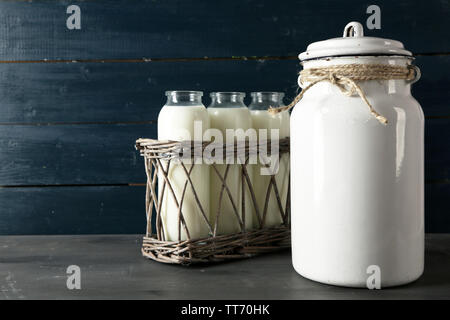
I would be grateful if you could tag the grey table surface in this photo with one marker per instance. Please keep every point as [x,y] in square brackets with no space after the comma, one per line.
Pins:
[34,267]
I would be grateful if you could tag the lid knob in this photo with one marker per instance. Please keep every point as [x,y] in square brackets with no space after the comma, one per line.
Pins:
[353,29]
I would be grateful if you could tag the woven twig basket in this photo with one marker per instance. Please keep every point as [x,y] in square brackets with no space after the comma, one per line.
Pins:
[213,248]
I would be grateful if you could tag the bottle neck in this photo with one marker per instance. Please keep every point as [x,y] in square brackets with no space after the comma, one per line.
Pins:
[184,98]
[227,100]
[265,100]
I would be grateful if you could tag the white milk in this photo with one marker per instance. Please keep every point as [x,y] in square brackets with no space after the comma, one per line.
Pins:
[228,111]
[262,119]
[176,122]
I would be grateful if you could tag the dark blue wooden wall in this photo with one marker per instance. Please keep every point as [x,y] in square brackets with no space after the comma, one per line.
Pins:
[72,102]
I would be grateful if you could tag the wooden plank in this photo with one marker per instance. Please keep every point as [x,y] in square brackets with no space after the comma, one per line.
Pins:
[121,92]
[437,207]
[86,92]
[432,90]
[437,149]
[71,154]
[104,154]
[72,210]
[127,29]
[111,268]
[121,209]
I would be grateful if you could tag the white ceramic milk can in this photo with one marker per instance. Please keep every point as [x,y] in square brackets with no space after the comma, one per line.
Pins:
[357,154]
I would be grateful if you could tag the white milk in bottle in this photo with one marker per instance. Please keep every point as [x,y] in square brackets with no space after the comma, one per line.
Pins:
[176,122]
[262,119]
[228,111]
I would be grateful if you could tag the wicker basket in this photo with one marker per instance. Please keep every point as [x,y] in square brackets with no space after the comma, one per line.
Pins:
[213,248]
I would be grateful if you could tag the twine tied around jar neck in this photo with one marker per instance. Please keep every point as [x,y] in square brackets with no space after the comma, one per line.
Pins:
[346,76]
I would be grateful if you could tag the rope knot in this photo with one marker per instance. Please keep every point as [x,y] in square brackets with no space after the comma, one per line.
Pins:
[332,78]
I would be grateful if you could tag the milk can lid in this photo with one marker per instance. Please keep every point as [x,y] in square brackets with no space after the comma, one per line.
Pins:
[353,43]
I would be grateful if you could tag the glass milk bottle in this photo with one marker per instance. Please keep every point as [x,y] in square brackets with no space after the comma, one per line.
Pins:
[228,111]
[261,119]
[176,121]
[357,142]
